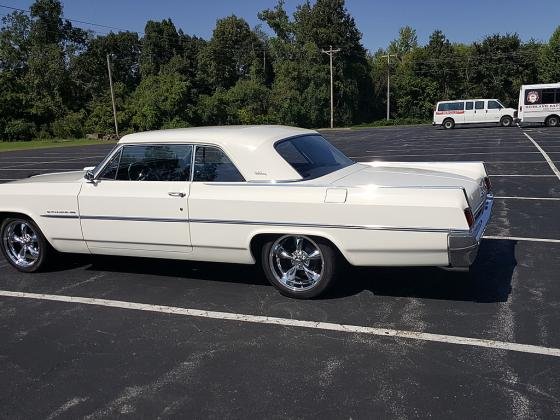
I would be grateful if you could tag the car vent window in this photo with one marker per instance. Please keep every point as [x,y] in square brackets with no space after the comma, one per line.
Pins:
[165,162]
[110,170]
[212,165]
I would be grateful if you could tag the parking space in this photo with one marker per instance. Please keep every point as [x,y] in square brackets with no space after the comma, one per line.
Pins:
[159,357]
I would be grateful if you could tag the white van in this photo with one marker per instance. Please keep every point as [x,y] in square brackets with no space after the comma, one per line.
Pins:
[472,111]
[540,104]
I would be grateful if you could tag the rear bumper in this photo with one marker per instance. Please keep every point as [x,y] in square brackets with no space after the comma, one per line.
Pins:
[463,247]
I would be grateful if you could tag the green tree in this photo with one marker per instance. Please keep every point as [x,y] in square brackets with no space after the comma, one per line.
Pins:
[160,100]
[550,59]
[229,54]
[300,92]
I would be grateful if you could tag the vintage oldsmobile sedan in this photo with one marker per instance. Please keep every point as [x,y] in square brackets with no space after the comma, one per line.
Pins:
[279,196]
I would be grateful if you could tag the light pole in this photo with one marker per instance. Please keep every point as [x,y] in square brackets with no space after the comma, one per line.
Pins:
[331,52]
[388,83]
[112,95]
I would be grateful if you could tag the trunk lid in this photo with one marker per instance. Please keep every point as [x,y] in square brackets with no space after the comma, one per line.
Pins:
[402,177]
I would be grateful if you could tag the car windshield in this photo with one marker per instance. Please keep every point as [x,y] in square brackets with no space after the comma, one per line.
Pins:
[312,156]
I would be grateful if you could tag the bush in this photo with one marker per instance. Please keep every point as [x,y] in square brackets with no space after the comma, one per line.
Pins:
[69,126]
[395,121]
[19,129]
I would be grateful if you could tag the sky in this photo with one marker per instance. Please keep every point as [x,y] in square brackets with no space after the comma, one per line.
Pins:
[379,21]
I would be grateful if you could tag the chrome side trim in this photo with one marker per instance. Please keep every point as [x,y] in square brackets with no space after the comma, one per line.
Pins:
[121,218]
[262,223]
[315,225]
[124,242]
[60,216]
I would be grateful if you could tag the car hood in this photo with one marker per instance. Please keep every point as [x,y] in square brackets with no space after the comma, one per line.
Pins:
[74,176]
[401,177]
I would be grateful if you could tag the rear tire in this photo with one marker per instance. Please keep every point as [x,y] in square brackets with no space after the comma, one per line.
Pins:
[23,244]
[552,121]
[299,266]
[506,121]
[448,123]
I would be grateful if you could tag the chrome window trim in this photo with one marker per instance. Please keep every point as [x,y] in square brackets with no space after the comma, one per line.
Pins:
[278,142]
[196,146]
[121,146]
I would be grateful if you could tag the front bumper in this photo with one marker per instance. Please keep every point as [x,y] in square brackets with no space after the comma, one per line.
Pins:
[463,246]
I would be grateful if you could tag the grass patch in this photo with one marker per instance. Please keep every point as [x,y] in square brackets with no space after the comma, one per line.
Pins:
[9,146]
[394,122]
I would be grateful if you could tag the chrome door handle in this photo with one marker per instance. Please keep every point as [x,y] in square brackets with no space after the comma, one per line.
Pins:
[177,194]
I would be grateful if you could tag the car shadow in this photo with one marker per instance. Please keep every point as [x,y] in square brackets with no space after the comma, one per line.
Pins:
[489,279]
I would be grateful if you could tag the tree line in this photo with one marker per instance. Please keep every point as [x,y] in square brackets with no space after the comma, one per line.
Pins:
[54,80]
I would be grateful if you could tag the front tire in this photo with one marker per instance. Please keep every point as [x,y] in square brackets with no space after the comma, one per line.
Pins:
[299,266]
[552,121]
[23,244]
[506,121]
[449,123]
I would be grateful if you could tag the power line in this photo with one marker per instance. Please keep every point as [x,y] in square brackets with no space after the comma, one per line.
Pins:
[83,22]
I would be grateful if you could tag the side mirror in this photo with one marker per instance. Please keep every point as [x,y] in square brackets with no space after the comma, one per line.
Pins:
[89,168]
[89,176]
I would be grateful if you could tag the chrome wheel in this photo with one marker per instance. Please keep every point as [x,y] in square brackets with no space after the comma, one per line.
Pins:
[21,243]
[296,262]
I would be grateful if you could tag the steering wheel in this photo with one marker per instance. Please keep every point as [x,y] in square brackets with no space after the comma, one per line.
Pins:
[141,173]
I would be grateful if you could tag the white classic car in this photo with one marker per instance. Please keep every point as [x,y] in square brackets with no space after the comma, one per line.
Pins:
[280,196]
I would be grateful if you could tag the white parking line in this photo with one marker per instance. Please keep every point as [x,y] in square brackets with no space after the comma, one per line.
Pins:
[435,155]
[325,326]
[39,169]
[546,157]
[523,239]
[526,198]
[22,164]
[524,175]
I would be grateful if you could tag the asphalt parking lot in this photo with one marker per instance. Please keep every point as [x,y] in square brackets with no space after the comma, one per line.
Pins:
[68,359]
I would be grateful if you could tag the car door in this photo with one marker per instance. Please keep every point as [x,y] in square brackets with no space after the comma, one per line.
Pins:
[469,112]
[493,111]
[137,203]
[479,111]
[214,204]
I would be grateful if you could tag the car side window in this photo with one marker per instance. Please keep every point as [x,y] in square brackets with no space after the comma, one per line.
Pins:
[111,168]
[479,105]
[548,96]
[469,105]
[212,165]
[165,162]
[494,105]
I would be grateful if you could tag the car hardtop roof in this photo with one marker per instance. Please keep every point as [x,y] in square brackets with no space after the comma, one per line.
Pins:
[249,147]
[541,86]
[470,99]
[225,136]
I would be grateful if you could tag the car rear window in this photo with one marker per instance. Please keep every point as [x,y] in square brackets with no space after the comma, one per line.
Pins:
[312,156]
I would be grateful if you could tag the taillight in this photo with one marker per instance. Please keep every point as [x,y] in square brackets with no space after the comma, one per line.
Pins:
[469,216]
[487,183]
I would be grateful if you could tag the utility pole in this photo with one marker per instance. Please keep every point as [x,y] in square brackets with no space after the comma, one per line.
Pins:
[112,96]
[331,52]
[388,83]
